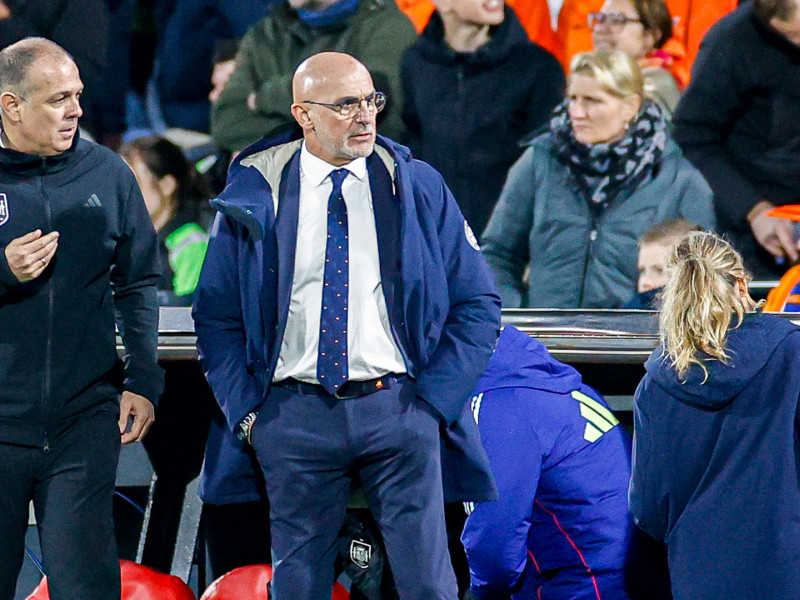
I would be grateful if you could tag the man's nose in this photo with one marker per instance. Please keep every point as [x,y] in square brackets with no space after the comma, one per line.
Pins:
[74,111]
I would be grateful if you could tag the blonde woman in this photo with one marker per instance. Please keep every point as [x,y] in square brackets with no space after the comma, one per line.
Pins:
[583,192]
[715,466]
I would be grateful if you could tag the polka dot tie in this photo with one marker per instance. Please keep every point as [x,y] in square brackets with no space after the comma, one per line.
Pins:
[332,358]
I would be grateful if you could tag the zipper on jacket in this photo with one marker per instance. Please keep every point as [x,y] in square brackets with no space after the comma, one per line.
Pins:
[587,256]
[396,337]
[50,287]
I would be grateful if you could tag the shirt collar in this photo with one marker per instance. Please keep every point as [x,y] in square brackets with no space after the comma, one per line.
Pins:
[316,170]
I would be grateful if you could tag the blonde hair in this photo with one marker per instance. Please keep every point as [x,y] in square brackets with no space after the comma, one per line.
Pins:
[700,299]
[616,72]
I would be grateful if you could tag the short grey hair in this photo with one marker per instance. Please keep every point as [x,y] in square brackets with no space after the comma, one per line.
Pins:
[16,61]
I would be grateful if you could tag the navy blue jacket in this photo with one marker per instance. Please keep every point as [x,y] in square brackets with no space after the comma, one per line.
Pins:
[560,528]
[442,304]
[57,342]
[715,466]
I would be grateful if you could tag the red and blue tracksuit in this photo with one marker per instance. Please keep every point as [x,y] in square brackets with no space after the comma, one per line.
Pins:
[560,528]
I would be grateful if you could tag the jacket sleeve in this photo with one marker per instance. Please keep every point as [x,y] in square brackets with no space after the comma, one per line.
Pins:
[219,324]
[496,533]
[648,506]
[135,272]
[233,124]
[505,240]
[705,116]
[472,324]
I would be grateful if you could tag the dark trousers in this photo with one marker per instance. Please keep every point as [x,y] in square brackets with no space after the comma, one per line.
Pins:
[72,488]
[311,446]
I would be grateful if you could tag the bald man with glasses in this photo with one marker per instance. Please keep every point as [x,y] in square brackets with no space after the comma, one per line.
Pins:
[343,316]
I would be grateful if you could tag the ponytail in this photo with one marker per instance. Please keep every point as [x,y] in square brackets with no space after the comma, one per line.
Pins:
[700,300]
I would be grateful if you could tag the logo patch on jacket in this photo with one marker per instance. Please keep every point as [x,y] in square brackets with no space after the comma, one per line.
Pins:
[3,209]
[360,553]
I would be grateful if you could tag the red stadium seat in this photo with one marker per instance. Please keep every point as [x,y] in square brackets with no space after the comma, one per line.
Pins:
[138,583]
[251,583]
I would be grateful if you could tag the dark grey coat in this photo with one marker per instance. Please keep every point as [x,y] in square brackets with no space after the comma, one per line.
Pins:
[578,260]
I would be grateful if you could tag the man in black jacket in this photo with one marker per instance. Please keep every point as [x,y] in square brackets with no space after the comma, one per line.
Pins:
[76,247]
[739,123]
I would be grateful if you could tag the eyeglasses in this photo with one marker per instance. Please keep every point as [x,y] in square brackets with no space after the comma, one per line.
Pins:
[615,21]
[349,107]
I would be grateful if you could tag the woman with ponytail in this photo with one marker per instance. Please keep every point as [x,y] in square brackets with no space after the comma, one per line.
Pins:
[715,461]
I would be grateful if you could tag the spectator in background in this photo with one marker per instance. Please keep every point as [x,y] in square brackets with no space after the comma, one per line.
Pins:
[81,28]
[560,529]
[185,51]
[582,194]
[257,98]
[655,246]
[640,28]
[534,16]
[691,21]
[715,458]
[474,86]
[739,123]
[174,194]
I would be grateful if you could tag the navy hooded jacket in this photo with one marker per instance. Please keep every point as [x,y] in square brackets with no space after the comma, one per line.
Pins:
[715,469]
[560,528]
[443,307]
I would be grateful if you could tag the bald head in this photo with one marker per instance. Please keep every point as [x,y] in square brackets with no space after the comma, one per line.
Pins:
[323,73]
[321,84]
[17,59]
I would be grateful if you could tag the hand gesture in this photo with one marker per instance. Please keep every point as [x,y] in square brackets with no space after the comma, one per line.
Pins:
[775,235]
[143,413]
[29,255]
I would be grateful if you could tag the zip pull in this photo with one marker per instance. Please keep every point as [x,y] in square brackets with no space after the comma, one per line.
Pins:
[46,446]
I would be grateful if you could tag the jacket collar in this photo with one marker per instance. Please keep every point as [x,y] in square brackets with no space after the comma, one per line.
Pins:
[24,164]
[265,160]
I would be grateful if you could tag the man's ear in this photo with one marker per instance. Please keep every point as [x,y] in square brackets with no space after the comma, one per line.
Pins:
[302,117]
[10,104]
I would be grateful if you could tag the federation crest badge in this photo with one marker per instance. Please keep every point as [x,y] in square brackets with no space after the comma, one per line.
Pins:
[3,209]
[360,553]
[471,239]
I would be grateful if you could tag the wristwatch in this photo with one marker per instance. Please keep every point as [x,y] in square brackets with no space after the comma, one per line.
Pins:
[245,425]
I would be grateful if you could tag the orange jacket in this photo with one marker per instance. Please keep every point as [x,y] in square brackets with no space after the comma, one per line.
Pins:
[694,19]
[533,14]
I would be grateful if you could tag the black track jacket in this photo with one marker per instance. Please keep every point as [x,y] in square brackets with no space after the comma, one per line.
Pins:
[57,341]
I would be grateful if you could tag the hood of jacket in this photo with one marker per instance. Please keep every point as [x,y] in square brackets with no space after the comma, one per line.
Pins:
[521,361]
[749,346]
[505,38]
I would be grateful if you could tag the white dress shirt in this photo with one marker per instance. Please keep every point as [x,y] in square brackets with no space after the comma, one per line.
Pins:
[371,348]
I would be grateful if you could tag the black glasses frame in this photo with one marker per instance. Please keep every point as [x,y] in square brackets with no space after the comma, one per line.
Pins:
[615,19]
[350,107]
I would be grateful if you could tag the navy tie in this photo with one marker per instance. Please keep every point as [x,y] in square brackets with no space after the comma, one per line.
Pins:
[332,358]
